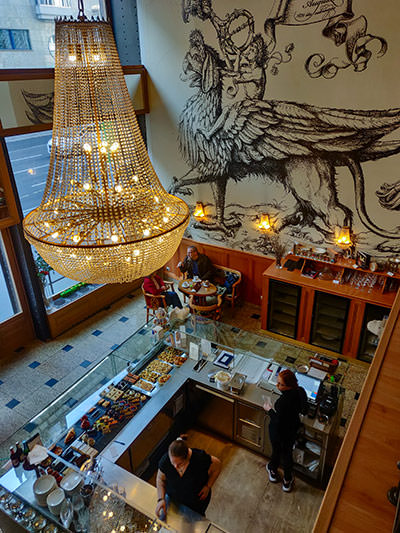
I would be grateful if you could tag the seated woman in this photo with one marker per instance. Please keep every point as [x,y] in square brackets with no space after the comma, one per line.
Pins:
[153,284]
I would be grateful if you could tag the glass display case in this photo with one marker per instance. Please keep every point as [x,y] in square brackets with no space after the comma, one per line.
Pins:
[283,304]
[369,341]
[329,321]
[85,503]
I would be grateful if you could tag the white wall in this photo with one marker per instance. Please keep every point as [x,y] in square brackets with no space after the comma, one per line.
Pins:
[164,42]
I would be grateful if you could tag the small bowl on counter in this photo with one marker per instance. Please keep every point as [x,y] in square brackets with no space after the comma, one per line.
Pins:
[303,369]
[71,483]
[222,379]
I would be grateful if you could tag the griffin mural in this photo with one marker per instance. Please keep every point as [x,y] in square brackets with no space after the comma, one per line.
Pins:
[228,130]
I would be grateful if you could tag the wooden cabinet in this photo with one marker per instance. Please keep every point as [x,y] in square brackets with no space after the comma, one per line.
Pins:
[327,304]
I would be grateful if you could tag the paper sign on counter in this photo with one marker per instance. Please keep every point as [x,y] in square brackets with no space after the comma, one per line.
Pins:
[194,351]
[206,348]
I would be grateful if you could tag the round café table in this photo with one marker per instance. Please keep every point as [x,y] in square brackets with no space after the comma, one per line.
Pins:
[199,295]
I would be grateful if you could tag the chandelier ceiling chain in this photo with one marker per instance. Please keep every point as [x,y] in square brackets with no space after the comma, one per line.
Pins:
[104,216]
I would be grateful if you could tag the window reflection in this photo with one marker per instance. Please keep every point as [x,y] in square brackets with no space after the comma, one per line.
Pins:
[29,156]
[9,301]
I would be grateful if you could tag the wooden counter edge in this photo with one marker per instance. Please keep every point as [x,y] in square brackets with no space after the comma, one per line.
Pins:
[336,482]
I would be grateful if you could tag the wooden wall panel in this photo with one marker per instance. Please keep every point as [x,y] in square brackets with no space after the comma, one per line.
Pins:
[355,499]
[250,265]
[305,314]
[18,330]
[67,317]
[353,331]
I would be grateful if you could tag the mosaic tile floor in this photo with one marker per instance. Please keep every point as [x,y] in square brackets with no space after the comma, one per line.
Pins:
[35,375]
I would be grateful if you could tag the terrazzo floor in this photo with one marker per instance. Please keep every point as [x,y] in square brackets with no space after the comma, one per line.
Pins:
[33,376]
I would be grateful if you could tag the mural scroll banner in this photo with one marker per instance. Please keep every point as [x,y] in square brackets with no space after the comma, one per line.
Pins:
[341,27]
[295,12]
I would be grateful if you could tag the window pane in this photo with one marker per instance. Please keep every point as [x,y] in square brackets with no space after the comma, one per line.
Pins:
[37,34]
[5,40]
[9,302]
[30,157]
[20,39]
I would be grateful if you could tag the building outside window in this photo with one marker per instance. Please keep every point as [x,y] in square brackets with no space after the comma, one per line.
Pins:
[31,27]
[29,157]
[14,40]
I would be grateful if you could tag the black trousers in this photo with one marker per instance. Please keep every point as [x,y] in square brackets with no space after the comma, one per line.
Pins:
[282,450]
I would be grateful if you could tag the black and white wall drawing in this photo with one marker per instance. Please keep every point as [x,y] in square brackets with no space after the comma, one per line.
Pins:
[315,160]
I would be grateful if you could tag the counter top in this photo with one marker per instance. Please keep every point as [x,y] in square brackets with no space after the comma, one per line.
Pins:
[251,394]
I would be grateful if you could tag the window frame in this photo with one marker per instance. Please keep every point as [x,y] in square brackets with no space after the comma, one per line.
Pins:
[11,32]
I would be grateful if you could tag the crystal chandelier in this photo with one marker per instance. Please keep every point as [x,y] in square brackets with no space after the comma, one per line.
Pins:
[104,215]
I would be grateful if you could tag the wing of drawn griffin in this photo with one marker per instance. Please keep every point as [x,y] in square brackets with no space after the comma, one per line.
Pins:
[300,145]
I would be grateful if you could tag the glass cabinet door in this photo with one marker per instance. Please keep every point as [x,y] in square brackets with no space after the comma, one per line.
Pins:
[329,321]
[283,306]
[369,341]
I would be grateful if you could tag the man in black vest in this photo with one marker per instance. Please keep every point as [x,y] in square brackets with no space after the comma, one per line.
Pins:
[196,264]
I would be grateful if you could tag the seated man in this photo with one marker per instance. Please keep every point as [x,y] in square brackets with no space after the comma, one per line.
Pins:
[153,284]
[196,264]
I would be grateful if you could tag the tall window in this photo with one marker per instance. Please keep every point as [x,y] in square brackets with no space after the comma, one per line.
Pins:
[14,40]
[9,302]
[30,156]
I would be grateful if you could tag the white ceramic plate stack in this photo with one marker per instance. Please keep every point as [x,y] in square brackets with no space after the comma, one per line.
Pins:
[55,500]
[42,488]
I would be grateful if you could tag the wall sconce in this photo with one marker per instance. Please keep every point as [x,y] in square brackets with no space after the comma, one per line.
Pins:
[264,224]
[343,237]
[199,210]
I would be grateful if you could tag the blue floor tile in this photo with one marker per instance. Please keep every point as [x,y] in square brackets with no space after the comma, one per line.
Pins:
[20,349]
[34,364]
[71,402]
[235,330]
[104,381]
[67,348]
[142,332]
[97,332]
[114,346]
[12,403]
[261,344]
[51,382]
[255,315]
[1,382]
[85,363]
[30,426]
[189,329]
[123,319]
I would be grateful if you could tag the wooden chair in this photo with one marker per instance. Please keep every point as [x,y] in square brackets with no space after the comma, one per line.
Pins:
[207,311]
[153,302]
[232,293]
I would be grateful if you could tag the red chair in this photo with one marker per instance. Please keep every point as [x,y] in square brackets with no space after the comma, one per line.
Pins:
[153,302]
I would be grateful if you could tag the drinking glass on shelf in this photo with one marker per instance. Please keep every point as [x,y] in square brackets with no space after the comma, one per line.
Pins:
[66,513]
